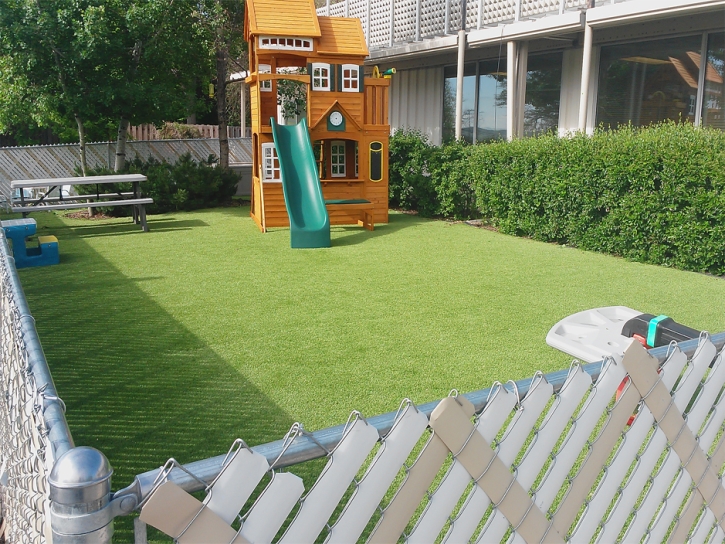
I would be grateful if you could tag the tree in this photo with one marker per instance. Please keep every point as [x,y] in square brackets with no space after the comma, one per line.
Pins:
[223,21]
[103,61]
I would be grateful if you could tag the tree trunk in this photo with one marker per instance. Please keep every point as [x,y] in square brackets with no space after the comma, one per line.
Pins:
[221,104]
[121,145]
[82,143]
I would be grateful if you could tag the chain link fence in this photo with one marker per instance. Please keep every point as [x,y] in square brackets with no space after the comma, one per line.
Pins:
[33,431]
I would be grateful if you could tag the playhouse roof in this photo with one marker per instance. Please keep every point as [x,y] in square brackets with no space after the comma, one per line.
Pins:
[282,18]
[342,36]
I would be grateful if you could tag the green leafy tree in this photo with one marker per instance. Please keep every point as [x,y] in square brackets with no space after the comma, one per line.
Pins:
[99,62]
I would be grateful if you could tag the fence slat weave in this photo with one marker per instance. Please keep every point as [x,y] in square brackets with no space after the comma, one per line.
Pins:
[555,466]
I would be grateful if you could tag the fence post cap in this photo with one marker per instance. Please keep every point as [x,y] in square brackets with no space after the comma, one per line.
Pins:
[80,475]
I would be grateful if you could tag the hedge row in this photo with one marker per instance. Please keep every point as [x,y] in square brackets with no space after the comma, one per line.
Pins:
[184,185]
[654,195]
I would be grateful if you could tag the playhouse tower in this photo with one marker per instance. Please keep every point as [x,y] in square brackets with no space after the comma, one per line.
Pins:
[347,113]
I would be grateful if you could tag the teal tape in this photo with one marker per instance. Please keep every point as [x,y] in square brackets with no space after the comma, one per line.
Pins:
[652,329]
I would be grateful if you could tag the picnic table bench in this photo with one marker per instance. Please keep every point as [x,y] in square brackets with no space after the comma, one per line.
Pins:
[45,202]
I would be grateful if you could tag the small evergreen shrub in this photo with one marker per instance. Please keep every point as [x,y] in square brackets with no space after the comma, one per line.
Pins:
[184,185]
[654,194]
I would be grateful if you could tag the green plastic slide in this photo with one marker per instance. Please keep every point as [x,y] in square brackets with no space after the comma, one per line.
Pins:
[308,218]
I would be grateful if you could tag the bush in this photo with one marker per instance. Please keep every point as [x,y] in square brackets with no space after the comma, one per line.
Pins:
[178,131]
[184,185]
[654,194]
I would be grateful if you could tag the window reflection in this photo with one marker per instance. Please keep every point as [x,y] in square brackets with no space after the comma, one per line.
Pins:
[649,82]
[492,101]
[713,99]
[469,103]
[543,92]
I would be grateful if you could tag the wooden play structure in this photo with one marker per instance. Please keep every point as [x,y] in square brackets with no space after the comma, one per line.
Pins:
[347,113]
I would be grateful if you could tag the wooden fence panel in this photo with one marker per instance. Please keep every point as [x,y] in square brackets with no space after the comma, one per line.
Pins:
[63,160]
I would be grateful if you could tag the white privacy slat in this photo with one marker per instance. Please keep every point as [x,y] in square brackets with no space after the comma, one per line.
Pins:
[236,483]
[272,508]
[183,517]
[693,376]
[596,403]
[718,535]
[703,527]
[697,416]
[518,430]
[341,468]
[572,392]
[396,447]
[446,496]
[647,459]
[624,457]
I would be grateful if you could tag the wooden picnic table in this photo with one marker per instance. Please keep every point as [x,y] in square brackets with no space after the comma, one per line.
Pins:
[99,199]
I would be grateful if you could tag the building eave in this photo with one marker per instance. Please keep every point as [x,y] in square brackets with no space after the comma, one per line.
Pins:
[534,28]
[644,10]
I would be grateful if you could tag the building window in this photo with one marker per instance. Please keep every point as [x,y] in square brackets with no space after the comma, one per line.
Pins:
[648,82]
[280,42]
[350,78]
[484,98]
[270,163]
[320,76]
[491,118]
[265,85]
[337,158]
[543,94]
[714,96]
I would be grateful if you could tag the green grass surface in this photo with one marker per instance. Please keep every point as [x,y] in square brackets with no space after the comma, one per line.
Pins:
[175,342]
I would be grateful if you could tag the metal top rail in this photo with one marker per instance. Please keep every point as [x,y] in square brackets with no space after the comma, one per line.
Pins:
[53,408]
[315,445]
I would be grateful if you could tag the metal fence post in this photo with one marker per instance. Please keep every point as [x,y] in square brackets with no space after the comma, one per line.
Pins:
[82,507]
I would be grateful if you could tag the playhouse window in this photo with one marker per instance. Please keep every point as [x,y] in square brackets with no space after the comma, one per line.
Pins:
[337,158]
[320,76]
[280,42]
[350,78]
[265,85]
[270,163]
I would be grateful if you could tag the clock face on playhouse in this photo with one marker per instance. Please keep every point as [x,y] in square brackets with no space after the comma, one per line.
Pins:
[336,121]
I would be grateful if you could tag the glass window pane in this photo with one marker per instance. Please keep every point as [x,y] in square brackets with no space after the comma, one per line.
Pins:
[543,92]
[469,103]
[492,100]
[713,101]
[648,82]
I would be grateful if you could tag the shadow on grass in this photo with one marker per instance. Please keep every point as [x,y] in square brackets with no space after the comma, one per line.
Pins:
[137,384]
[350,235]
[119,229]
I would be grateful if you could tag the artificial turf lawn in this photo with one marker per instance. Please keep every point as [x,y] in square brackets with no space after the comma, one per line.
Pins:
[175,342]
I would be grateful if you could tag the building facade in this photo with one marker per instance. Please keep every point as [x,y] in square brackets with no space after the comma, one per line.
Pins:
[533,66]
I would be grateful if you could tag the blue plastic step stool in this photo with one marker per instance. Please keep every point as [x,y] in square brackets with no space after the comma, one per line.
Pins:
[45,254]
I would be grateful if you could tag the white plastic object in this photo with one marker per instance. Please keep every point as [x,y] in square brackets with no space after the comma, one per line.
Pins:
[592,335]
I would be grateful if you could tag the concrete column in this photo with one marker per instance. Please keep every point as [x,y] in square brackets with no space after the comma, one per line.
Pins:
[522,63]
[459,82]
[511,77]
[586,75]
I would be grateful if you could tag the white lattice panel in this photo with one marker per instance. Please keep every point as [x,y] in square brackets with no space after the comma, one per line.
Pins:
[337,10]
[405,20]
[432,18]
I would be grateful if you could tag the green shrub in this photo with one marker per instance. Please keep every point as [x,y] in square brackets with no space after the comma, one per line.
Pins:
[654,194]
[184,185]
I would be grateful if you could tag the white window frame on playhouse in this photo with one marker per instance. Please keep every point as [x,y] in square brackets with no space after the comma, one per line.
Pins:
[265,84]
[270,163]
[341,159]
[285,42]
[320,82]
[353,79]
